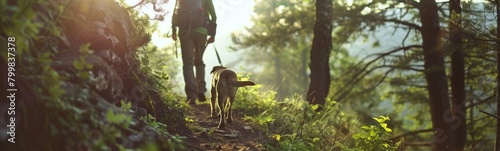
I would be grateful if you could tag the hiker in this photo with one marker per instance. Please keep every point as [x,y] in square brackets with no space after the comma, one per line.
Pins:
[195,19]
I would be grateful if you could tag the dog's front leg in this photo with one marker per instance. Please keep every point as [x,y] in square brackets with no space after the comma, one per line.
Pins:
[221,99]
[213,100]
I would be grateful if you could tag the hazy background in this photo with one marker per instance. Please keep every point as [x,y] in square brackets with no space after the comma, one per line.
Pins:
[232,15]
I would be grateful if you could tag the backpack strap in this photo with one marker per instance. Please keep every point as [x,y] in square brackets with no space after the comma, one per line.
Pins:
[174,18]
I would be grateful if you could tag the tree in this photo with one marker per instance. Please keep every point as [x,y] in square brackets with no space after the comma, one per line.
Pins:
[278,43]
[457,73]
[435,74]
[408,85]
[320,54]
[497,143]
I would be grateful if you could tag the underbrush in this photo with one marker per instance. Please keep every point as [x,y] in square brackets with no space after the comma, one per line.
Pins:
[57,108]
[293,124]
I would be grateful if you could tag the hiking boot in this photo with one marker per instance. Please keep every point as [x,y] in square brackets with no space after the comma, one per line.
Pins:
[201,97]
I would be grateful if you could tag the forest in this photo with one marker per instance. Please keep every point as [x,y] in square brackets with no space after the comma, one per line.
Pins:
[376,75]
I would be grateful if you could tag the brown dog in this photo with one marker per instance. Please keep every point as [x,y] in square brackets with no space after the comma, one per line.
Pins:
[224,86]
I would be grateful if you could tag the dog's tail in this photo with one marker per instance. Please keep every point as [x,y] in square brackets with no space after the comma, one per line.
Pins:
[236,83]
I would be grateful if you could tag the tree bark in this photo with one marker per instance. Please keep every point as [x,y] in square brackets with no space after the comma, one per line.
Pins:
[497,143]
[320,54]
[435,75]
[304,78]
[457,75]
[471,119]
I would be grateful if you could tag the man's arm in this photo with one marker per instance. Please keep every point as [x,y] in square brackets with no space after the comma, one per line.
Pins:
[213,21]
[211,11]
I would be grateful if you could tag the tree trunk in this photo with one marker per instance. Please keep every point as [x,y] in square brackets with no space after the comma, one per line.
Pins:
[320,54]
[457,75]
[497,143]
[303,71]
[471,123]
[279,77]
[435,75]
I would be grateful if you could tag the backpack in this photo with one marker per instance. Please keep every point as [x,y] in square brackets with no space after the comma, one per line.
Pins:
[190,14]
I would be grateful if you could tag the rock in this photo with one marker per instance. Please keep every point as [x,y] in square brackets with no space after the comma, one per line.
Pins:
[104,24]
[139,111]
[138,133]
[234,134]
[109,56]
[102,78]
[247,128]
[115,73]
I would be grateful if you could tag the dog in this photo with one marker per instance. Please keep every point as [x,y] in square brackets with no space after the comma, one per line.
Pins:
[224,86]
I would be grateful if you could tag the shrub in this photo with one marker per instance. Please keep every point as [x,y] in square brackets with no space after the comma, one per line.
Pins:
[293,124]
[375,137]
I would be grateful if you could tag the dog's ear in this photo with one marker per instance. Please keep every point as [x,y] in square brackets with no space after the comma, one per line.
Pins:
[213,70]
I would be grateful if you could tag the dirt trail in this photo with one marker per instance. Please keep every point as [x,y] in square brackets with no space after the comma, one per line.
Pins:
[238,135]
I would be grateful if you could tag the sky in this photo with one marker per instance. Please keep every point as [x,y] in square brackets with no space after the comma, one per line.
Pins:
[232,15]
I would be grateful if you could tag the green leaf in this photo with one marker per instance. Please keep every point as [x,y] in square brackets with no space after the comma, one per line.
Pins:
[384,125]
[277,137]
[116,118]
[78,65]
[373,133]
[314,107]
[84,75]
[381,119]
[316,139]
[89,66]
[357,136]
[126,105]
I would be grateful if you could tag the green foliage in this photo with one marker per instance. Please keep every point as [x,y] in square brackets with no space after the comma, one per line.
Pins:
[279,42]
[253,100]
[81,65]
[174,141]
[301,126]
[292,142]
[118,118]
[58,106]
[403,83]
[19,23]
[293,123]
[375,138]
[160,64]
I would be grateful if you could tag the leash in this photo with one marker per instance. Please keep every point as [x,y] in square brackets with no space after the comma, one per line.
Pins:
[216,53]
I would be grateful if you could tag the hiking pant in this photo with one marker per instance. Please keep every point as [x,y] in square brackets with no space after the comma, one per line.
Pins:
[192,47]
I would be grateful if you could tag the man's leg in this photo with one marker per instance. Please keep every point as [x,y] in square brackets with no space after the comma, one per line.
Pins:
[199,47]
[187,49]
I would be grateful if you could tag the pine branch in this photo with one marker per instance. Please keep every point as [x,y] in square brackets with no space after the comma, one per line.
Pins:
[492,115]
[395,138]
